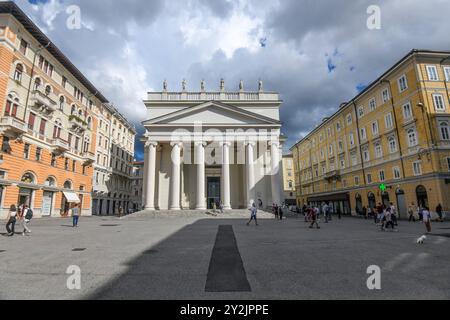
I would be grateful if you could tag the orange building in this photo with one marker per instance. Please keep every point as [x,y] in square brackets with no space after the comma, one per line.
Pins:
[48,121]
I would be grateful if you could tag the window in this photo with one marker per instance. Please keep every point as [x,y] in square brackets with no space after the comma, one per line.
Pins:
[37,84]
[64,82]
[31,120]
[74,165]
[26,151]
[349,119]
[366,155]
[402,83]
[66,164]
[385,95]
[396,172]
[342,164]
[381,175]
[38,154]
[378,151]
[372,104]
[388,121]
[360,112]
[6,147]
[356,181]
[417,168]
[83,170]
[438,101]
[331,149]
[432,73]
[445,130]
[392,145]
[23,47]
[53,160]
[12,104]
[341,146]
[407,111]
[369,178]
[61,103]
[18,73]
[412,138]
[352,139]
[447,73]
[338,127]
[448,163]
[48,90]
[363,134]
[375,128]
[354,160]
[42,127]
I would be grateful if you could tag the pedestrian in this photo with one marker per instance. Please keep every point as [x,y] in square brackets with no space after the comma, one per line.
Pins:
[314,218]
[380,211]
[11,220]
[364,212]
[325,212]
[275,208]
[221,207]
[439,212]
[75,215]
[411,213]
[26,217]
[420,212]
[426,218]
[280,213]
[394,214]
[389,219]
[120,211]
[253,211]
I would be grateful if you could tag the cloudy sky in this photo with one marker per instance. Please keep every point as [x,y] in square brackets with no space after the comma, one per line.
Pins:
[316,53]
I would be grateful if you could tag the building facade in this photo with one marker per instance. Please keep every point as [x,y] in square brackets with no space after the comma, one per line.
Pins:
[113,169]
[289,180]
[391,143]
[212,147]
[138,185]
[49,122]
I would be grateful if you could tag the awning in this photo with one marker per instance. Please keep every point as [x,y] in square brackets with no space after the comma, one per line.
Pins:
[71,197]
[330,197]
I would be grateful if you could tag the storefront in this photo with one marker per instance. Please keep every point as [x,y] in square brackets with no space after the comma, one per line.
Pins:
[340,202]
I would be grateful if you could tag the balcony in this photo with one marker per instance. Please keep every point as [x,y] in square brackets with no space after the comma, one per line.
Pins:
[77,125]
[89,157]
[43,102]
[333,175]
[13,127]
[60,146]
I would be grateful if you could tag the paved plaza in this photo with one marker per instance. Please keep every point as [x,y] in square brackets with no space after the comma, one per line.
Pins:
[141,257]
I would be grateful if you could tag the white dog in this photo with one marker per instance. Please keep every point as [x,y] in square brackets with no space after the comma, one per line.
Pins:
[421,239]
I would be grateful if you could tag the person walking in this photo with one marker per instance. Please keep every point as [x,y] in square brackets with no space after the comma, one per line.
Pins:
[411,213]
[426,218]
[394,214]
[439,212]
[11,221]
[389,219]
[314,218]
[75,215]
[325,212]
[253,211]
[221,207]
[280,213]
[420,212]
[26,217]
[364,212]
[275,210]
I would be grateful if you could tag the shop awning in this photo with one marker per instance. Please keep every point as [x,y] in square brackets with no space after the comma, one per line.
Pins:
[330,197]
[71,197]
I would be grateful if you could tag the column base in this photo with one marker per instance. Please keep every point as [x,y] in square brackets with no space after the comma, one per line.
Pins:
[227,208]
[149,209]
[175,209]
[201,208]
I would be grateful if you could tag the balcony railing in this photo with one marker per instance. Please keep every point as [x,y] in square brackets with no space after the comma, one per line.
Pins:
[77,124]
[43,101]
[333,175]
[213,96]
[60,145]
[13,125]
[89,157]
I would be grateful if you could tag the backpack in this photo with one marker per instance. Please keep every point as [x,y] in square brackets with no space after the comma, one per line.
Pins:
[29,214]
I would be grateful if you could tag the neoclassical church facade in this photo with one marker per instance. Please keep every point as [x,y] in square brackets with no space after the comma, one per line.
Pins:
[205,148]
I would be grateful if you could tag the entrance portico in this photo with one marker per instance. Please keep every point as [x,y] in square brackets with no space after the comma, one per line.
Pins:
[225,151]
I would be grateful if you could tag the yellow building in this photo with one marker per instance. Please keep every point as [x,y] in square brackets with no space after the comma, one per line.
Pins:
[288,180]
[390,143]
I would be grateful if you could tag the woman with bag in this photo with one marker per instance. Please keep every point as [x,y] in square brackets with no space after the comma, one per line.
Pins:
[11,218]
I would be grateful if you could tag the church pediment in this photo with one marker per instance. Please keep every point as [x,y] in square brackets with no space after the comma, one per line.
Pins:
[213,113]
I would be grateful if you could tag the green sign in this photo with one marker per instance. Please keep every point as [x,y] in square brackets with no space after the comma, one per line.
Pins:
[383,187]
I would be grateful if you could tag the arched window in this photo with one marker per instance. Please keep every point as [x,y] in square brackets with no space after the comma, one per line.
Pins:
[12,105]
[61,103]
[412,138]
[361,112]
[18,72]
[89,122]
[48,89]
[290,184]
[50,182]
[445,131]
[73,110]
[68,185]
[57,129]
[80,113]
[378,150]
[392,145]
[37,84]
[28,178]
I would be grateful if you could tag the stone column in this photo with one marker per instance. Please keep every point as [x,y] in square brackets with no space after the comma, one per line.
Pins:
[226,197]
[200,164]
[275,174]
[176,176]
[250,163]
[150,176]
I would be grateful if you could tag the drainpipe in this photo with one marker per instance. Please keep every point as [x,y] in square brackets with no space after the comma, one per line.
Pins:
[359,142]
[396,125]
[38,51]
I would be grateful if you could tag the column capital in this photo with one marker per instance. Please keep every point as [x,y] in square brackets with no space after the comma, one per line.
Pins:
[226,143]
[200,143]
[275,144]
[250,143]
[149,143]
[176,143]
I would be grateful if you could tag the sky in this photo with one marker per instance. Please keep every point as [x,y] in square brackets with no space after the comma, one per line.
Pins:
[315,53]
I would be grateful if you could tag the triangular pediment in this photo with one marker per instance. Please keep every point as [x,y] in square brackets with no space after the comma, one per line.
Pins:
[213,113]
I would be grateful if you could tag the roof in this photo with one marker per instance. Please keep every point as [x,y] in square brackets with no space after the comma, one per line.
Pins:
[413,52]
[10,7]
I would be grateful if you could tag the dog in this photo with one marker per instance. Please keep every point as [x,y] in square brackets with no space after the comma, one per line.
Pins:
[421,239]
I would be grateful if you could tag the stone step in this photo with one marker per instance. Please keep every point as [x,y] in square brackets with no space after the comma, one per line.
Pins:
[227,214]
